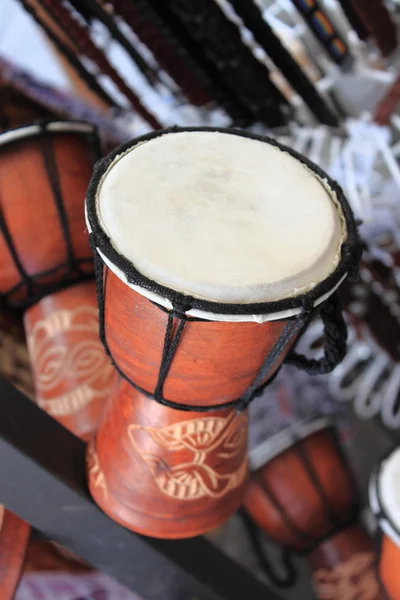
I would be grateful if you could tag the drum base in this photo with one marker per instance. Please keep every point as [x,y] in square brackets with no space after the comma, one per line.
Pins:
[152,525]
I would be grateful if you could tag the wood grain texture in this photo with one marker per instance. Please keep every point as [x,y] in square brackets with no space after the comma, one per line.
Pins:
[165,472]
[73,375]
[29,210]
[284,500]
[389,570]
[14,535]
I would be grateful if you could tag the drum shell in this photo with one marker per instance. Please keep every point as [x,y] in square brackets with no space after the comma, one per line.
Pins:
[167,473]
[73,376]
[215,362]
[284,500]
[389,571]
[31,168]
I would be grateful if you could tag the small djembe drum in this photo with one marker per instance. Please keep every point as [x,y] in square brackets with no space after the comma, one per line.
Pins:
[302,495]
[212,247]
[384,500]
[46,267]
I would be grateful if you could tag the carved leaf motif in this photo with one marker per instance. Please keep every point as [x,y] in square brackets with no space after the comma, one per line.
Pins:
[195,479]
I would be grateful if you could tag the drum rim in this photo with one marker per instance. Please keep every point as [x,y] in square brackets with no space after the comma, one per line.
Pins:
[205,309]
[262,454]
[384,521]
[39,127]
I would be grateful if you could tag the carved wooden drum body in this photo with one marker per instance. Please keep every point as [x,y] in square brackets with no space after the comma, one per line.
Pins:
[14,537]
[46,264]
[302,495]
[385,504]
[44,173]
[200,301]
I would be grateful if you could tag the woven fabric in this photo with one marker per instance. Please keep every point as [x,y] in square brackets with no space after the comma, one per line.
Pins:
[240,72]
[252,18]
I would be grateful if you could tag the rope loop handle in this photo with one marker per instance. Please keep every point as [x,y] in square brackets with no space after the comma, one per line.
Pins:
[335,334]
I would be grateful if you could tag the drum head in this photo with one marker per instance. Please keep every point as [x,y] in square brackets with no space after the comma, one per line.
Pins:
[235,222]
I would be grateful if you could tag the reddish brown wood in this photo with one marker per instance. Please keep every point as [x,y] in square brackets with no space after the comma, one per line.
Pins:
[28,207]
[343,562]
[344,567]
[292,486]
[164,472]
[73,375]
[14,535]
[389,569]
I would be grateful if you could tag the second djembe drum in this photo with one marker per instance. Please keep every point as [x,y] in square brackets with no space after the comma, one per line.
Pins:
[302,495]
[213,249]
[46,266]
[46,269]
[385,504]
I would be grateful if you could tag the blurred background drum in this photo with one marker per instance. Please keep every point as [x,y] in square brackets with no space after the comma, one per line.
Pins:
[302,495]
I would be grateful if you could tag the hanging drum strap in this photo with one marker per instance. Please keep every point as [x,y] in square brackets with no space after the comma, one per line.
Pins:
[335,333]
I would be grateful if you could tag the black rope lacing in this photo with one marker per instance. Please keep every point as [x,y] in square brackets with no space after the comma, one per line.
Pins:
[288,577]
[303,307]
[31,288]
[338,521]
[335,333]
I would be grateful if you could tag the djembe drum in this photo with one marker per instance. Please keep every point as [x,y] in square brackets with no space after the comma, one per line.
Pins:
[302,495]
[46,269]
[212,249]
[385,504]
[46,266]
